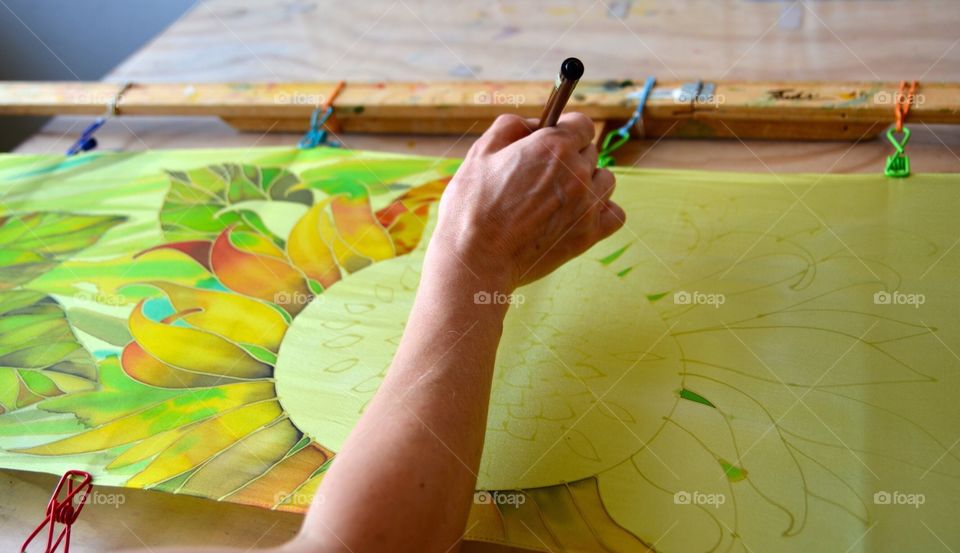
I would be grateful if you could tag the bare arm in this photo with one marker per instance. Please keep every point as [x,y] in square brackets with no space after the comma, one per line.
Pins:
[522,204]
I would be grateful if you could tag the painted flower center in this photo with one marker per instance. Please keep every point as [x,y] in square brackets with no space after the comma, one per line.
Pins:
[581,382]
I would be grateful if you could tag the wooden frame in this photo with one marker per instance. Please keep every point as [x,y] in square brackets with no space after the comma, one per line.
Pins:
[770,110]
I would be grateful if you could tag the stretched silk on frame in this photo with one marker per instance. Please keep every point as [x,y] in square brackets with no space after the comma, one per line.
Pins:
[753,363]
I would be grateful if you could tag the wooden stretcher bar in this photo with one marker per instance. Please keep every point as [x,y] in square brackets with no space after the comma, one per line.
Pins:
[768,110]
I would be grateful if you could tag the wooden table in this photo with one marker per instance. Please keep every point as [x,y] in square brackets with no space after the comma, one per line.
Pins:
[282,40]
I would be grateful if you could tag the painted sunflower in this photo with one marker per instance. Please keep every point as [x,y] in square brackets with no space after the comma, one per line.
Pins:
[266,319]
[189,404]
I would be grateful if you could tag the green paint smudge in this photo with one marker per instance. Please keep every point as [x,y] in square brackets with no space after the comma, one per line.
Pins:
[260,353]
[613,256]
[693,396]
[734,474]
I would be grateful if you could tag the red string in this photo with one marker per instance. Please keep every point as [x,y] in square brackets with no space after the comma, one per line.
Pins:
[902,102]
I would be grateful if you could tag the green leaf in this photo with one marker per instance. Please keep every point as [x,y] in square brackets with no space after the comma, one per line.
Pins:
[111,330]
[34,243]
[36,341]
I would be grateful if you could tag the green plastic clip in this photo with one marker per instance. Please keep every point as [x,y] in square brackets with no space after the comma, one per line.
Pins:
[605,159]
[898,164]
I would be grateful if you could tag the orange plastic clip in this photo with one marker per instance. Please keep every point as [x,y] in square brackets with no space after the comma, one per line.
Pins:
[65,511]
[902,102]
[332,123]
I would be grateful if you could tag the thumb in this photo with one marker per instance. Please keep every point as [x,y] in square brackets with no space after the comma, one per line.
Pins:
[611,218]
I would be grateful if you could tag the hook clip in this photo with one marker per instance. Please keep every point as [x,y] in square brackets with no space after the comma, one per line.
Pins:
[317,135]
[63,511]
[898,164]
[87,142]
[619,137]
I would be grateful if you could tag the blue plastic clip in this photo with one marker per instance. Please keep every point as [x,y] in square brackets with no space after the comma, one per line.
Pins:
[87,142]
[317,135]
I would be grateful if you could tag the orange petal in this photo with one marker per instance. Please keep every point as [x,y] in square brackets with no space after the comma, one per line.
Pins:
[259,276]
[146,368]
[360,232]
[284,478]
[406,217]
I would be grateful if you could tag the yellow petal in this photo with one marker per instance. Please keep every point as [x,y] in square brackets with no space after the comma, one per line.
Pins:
[308,250]
[179,411]
[243,462]
[239,318]
[205,440]
[283,479]
[194,350]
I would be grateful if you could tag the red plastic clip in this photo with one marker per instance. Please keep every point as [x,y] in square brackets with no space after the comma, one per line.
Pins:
[65,511]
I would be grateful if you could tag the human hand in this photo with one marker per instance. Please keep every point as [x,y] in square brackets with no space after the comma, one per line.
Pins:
[525,201]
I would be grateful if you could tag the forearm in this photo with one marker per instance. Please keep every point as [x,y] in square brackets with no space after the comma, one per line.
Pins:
[404,478]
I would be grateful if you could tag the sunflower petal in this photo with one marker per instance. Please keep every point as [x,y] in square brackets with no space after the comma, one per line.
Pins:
[406,217]
[360,231]
[205,440]
[148,369]
[147,448]
[199,250]
[259,276]
[302,496]
[181,347]
[284,478]
[181,410]
[236,317]
[308,250]
[244,461]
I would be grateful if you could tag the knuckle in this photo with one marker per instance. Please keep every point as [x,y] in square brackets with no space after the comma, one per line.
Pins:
[577,190]
[583,173]
[579,118]
[506,120]
[556,141]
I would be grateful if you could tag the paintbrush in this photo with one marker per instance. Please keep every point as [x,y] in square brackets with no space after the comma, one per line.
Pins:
[570,72]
